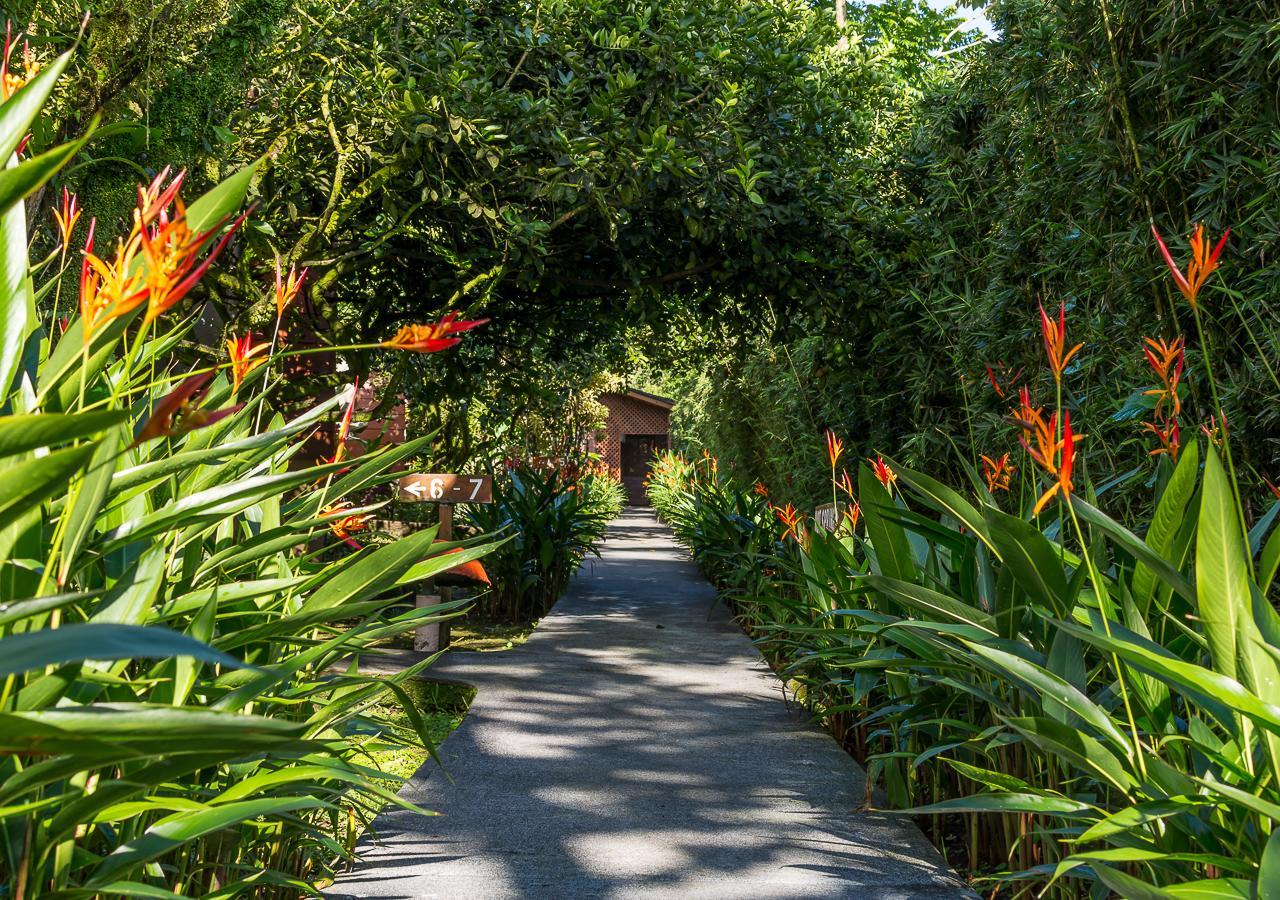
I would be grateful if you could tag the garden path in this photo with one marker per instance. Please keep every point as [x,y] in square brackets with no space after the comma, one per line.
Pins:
[639,746]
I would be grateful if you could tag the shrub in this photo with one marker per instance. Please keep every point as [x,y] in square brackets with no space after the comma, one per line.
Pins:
[553,519]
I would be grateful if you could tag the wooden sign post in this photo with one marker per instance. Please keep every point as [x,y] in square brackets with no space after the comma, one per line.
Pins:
[444,490]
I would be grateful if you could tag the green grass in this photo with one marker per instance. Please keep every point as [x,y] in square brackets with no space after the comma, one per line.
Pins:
[444,706]
[487,637]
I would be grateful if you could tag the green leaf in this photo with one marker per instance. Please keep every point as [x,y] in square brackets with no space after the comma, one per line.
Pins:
[1032,559]
[892,552]
[1166,522]
[1135,546]
[25,484]
[21,181]
[932,603]
[90,491]
[372,573]
[182,828]
[1222,580]
[19,111]
[1005,802]
[31,651]
[223,200]
[24,433]
[944,500]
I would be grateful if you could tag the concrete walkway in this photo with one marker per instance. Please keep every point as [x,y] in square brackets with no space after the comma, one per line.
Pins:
[635,747]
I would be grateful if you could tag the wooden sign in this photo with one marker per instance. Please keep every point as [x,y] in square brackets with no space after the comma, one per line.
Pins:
[827,516]
[439,488]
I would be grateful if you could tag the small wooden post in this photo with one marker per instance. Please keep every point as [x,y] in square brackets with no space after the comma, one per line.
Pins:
[435,636]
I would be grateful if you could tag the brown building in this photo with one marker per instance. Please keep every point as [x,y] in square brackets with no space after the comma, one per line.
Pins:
[639,425]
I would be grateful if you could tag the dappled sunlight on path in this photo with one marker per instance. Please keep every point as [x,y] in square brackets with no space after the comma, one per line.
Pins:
[636,746]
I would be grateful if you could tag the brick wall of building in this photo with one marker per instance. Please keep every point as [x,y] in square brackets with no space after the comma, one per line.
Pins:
[629,415]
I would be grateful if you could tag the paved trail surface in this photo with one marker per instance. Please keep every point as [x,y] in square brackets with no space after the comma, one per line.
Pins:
[636,748]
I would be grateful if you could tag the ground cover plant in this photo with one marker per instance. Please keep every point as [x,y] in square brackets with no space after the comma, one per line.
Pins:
[179,599]
[1076,704]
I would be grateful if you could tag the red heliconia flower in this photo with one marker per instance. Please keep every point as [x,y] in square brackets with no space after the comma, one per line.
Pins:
[1010,379]
[157,197]
[1215,430]
[1275,491]
[883,473]
[432,338]
[175,415]
[66,217]
[245,356]
[998,472]
[1202,264]
[1055,340]
[835,448]
[760,489]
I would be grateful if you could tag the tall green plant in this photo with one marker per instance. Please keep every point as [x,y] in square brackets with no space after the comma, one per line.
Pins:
[181,711]
[1082,709]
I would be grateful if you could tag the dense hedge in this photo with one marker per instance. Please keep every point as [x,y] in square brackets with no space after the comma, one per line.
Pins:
[1036,172]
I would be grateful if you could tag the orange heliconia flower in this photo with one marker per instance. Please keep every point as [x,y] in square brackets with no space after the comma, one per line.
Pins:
[883,473]
[66,217]
[998,472]
[1275,491]
[431,338]
[1202,264]
[287,288]
[109,289]
[167,245]
[245,356]
[172,252]
[793,519]
[10,80]
[845,483]
[852,513]
[1055,340]
[175,415]
[1166,359]
[340,447]
[1168,435]
[760,489]
[345,526]
[835,448]
[1056,456]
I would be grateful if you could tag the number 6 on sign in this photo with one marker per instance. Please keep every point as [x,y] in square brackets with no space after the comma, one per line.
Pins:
[438,488]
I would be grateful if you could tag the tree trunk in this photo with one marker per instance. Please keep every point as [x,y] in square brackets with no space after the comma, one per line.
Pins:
[841,20]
